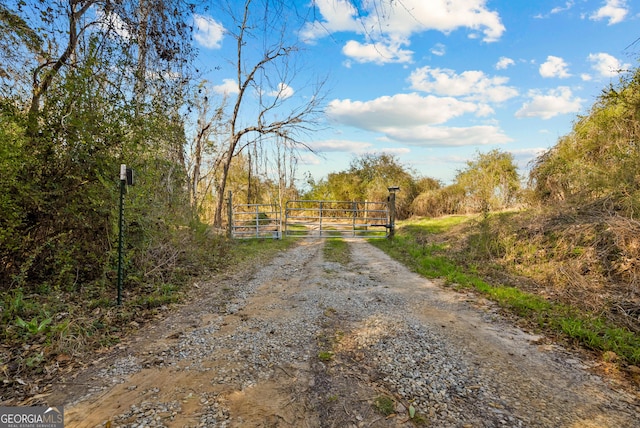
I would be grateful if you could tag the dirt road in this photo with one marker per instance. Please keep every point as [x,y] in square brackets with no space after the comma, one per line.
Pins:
[300,342]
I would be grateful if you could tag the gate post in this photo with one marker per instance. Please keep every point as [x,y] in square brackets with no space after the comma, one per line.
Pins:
[257,221]
[320,217]
[392,210]
[230,215]
[354,209]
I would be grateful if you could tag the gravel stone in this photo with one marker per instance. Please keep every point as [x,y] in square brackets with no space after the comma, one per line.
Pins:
[449,356]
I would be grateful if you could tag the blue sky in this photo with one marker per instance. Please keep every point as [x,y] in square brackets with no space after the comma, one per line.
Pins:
[434,82]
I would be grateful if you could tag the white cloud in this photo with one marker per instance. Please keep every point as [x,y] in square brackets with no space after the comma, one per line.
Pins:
[472,84]
[568,5]
[398,111]
[558,9]
[411,16]
[528,153]
[435,136]
[208,32]
[555,102]
[379,53]
[613,10]
[339,15]
[439,49]
[386,30]
[554,67]
[410,118]
[504,62]
[228,86]
[284,91]
[110,21]
[606,65]
[339,146]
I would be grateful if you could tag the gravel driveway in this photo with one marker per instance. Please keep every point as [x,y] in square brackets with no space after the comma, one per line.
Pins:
[300,342]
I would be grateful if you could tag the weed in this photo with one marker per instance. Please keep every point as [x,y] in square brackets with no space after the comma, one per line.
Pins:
[385,405]
[102,302]
[336,250]
[154,301]
[33,327]
[329,312]
[34,360]
[325,356]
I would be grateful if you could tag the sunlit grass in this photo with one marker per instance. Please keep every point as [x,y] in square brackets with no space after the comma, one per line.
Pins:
[336,250]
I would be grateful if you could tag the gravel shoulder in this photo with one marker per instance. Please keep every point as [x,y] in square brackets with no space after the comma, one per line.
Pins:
[300,342]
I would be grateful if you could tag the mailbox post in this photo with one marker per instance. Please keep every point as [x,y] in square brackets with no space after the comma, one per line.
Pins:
[126,178]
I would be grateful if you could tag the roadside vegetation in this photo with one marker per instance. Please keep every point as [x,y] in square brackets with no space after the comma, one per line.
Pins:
[562,251]
[49,332]
[336,250]
[538,280]
[564,258]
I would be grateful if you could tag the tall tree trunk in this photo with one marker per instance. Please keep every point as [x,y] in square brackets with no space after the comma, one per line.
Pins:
[140,84]
[222,183]
[195,178]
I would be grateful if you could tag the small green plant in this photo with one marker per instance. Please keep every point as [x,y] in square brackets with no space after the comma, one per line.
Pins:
[412,411]
[325,356]
[385,405]
[34,360]
[33,327]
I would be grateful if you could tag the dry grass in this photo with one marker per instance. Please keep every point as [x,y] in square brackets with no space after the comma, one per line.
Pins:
[588,259]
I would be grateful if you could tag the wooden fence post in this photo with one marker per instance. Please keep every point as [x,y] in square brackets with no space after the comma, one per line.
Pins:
[392,210]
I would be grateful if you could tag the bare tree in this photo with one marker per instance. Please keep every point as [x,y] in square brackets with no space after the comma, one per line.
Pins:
[204,156]
[274,116]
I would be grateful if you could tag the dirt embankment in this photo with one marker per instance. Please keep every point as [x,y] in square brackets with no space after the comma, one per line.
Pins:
[303,342]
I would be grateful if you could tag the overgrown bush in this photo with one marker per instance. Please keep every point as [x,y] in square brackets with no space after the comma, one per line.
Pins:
[587,259]
[440,202]
[598,162]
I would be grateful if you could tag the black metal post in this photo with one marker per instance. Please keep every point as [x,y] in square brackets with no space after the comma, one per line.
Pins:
[123,184]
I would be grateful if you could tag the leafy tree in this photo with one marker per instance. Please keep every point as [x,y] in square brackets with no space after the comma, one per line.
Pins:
[368,178]
[204,151]
[74,123]
[491,181]
[377,172]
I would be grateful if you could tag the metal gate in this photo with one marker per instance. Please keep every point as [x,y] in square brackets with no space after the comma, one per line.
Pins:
[255,221]
[311,219]
[325,219]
